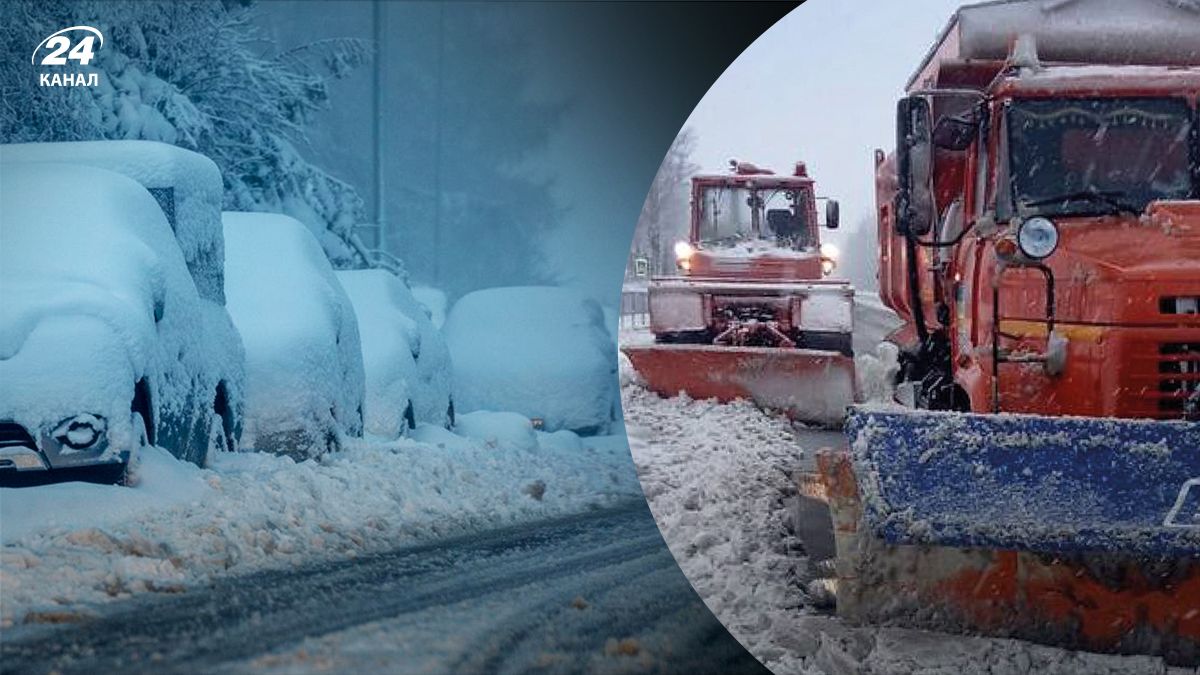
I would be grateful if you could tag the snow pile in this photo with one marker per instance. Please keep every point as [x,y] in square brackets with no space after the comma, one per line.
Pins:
[718,481]
[540,351]
[499,430]
[876,373]
[304,364]
[72,545]
[757,248]
[96,297]
[716,477]
[435,302]
[405,357]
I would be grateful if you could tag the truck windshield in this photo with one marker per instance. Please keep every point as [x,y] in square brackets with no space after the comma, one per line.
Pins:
[1101,155]
[733,215]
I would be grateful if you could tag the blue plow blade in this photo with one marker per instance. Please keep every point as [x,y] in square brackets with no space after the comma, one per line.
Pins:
[1028,483]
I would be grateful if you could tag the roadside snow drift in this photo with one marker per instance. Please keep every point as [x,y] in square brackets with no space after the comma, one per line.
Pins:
[70,546]
[540,351]
[304,367]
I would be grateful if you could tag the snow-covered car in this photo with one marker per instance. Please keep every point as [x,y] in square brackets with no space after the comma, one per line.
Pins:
[406,359]
[189,191]
[544,352]
[105,343]
[304,365]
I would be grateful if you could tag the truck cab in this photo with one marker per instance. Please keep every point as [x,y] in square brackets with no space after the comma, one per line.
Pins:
[755,224]
[1039,222]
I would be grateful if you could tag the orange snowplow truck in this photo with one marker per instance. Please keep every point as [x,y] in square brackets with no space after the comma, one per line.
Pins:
[1039,227]
[750,314]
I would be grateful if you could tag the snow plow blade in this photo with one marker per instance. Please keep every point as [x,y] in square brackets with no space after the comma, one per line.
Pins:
[1081,533]
[807,385]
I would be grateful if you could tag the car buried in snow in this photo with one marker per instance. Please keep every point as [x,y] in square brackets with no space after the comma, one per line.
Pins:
[406,359]
[304,364]
[540,351]
[106,343]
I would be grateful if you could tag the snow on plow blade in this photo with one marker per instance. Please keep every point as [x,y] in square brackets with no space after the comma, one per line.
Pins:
[807,385]
[1083,533]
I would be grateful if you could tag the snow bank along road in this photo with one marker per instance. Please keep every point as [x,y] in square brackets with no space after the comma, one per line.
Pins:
[78,556]
[595,592]
[719,482]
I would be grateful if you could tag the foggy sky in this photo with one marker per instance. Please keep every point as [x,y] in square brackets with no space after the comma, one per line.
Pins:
[821,85]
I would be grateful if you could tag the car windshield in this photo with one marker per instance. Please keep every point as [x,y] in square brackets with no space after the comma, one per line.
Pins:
[733,215]
[1103,155]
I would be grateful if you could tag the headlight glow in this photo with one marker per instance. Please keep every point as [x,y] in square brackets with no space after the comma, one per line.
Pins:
[830,251]
[1037,237]
[684,250]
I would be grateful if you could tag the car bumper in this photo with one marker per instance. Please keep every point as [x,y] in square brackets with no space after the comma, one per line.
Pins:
[20,452]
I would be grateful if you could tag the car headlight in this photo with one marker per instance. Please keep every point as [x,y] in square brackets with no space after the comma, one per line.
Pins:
[1037,237]
[831,252]
[81,431]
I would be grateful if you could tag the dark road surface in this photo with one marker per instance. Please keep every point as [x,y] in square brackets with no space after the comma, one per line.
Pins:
[596,592]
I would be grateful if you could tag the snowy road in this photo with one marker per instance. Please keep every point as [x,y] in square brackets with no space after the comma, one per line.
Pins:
[596,592]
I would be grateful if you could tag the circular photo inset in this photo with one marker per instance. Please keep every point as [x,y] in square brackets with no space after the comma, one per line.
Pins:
[869,385]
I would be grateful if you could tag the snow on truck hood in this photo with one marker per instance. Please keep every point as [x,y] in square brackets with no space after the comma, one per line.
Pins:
[86,257]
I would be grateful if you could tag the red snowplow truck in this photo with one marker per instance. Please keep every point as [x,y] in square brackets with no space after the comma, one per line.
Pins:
[750,314]
[1039,225]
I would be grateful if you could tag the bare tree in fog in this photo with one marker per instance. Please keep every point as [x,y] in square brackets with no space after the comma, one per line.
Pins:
[664,217]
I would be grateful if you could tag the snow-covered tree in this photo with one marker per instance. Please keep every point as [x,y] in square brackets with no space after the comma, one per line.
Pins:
[198,75]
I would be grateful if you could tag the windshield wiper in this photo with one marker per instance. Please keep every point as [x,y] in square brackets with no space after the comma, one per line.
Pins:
[1110,197]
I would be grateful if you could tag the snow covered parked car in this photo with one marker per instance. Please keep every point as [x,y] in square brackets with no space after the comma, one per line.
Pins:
[188,190]
[406,359]
[540,351]
[105,343]
[304,366]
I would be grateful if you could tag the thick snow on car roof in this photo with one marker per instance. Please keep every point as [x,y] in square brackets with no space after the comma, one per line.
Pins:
[543,352]
[186,184]
[303,353]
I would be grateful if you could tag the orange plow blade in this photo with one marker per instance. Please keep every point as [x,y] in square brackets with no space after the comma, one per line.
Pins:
[807,385]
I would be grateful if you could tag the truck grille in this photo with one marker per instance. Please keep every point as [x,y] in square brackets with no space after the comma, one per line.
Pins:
[1179,379]
[13,434]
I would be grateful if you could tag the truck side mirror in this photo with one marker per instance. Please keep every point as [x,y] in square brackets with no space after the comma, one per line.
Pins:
[832,214]
[914,167]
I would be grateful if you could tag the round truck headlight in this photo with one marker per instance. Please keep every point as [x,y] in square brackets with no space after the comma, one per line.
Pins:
[81,431]
[1037,237]
[684,250]
[831,252]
